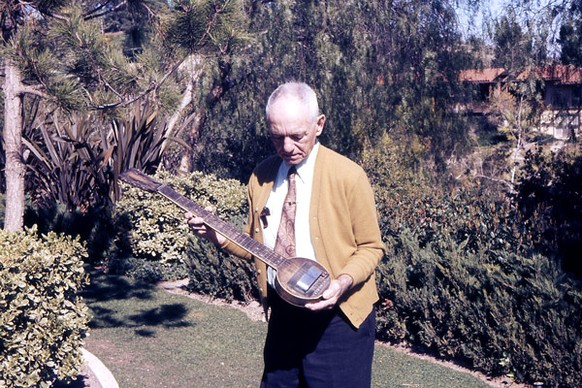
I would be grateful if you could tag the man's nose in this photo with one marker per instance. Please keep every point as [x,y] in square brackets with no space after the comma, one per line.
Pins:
[288,144]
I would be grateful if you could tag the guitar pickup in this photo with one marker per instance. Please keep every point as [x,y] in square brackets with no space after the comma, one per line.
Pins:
[306,280]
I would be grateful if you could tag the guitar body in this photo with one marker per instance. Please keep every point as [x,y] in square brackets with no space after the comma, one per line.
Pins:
[300,281]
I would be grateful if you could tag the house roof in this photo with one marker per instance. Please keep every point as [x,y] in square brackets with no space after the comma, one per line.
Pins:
[558,74]
[481,75]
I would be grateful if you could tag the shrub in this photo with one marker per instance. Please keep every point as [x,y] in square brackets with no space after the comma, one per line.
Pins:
[93,226]
[42,319]
[460,282]
[549,197]
[215,273]
[503,314]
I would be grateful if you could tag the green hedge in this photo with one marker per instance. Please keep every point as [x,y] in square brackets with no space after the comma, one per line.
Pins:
[502,314]
[42,320]
[463,282]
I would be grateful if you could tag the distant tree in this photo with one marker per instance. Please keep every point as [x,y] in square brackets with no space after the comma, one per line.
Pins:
[513,47]
[570,38]
[554,27]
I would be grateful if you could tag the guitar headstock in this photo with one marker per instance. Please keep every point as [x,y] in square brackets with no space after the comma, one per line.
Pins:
[139,179]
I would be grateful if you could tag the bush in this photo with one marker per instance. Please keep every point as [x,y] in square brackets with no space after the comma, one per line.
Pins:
[93,226]
[42,319]
[460,282]
[504,315]
[549,197]
[215,273]
[470,277]
[155,242]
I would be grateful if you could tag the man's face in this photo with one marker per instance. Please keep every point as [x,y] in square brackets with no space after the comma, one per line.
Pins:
[293,131]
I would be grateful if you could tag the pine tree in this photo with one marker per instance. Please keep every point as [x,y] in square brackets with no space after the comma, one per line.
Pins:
[97,58]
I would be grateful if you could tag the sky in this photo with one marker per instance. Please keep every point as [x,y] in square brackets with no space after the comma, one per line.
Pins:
[472,23]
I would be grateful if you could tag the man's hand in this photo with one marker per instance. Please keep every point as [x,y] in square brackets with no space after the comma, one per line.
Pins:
[332,295]
[200,229]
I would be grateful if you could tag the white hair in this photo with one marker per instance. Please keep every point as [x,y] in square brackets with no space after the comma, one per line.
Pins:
[299,91]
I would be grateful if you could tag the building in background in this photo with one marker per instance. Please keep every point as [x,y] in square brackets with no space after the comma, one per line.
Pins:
[561,88]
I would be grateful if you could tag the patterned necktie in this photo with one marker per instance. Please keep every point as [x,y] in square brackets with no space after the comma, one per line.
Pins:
[285,244]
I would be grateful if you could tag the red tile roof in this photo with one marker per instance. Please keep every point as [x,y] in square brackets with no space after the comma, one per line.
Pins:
[481,75]
[558,74]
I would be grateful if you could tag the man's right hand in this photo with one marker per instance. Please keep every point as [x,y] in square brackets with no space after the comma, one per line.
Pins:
[200,229]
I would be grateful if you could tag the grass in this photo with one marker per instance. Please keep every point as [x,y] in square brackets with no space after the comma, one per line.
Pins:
[148,337]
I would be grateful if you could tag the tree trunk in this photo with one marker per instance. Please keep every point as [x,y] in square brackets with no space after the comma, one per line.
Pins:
[14,169]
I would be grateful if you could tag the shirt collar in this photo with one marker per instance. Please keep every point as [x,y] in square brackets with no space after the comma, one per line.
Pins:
[305,168]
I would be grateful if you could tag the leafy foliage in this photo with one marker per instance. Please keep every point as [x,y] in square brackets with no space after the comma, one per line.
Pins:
[76,161]
[90,62]
[570,37]
[549,199]
[379,68]
[513,47]
[503,315]
[42,319]
[94,227]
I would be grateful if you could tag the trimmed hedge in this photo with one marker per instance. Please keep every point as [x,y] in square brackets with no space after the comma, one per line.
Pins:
[503,314]
[42,319]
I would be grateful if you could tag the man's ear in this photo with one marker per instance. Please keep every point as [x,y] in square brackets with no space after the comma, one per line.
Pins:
[320,124]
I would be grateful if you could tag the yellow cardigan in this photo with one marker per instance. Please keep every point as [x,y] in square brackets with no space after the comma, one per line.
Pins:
[343,224]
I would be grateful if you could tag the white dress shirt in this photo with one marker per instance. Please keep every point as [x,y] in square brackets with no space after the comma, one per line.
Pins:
[304,183]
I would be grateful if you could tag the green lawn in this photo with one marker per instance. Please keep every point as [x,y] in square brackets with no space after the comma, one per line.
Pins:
[148,337]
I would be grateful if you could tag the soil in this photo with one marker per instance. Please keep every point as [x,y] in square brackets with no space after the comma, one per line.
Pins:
[86,379]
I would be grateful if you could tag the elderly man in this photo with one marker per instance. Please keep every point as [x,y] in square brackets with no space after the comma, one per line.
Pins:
[328,342]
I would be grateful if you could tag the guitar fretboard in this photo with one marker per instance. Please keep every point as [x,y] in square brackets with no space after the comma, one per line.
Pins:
[232,233]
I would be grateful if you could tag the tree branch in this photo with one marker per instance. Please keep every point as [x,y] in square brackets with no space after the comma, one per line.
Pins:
[90,16]
[25,89]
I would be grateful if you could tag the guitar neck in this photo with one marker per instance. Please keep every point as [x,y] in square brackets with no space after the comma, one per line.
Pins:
[232,233]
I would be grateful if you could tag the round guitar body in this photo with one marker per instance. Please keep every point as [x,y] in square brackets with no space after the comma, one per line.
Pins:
[300,281]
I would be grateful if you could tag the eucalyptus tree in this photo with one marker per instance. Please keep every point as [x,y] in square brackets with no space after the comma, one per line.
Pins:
[570,35]
[381,68]
[73,59]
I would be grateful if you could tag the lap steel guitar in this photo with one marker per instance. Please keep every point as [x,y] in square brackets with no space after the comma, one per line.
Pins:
[298,281]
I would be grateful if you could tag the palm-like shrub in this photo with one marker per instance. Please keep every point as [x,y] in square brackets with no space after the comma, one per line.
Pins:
[76,161]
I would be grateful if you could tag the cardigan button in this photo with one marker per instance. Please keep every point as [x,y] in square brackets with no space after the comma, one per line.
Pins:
[256,230]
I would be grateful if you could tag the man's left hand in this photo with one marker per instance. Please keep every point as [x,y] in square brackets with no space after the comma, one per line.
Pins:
[332,295]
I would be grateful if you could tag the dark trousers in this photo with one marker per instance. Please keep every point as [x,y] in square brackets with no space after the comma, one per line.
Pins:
[316,349]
